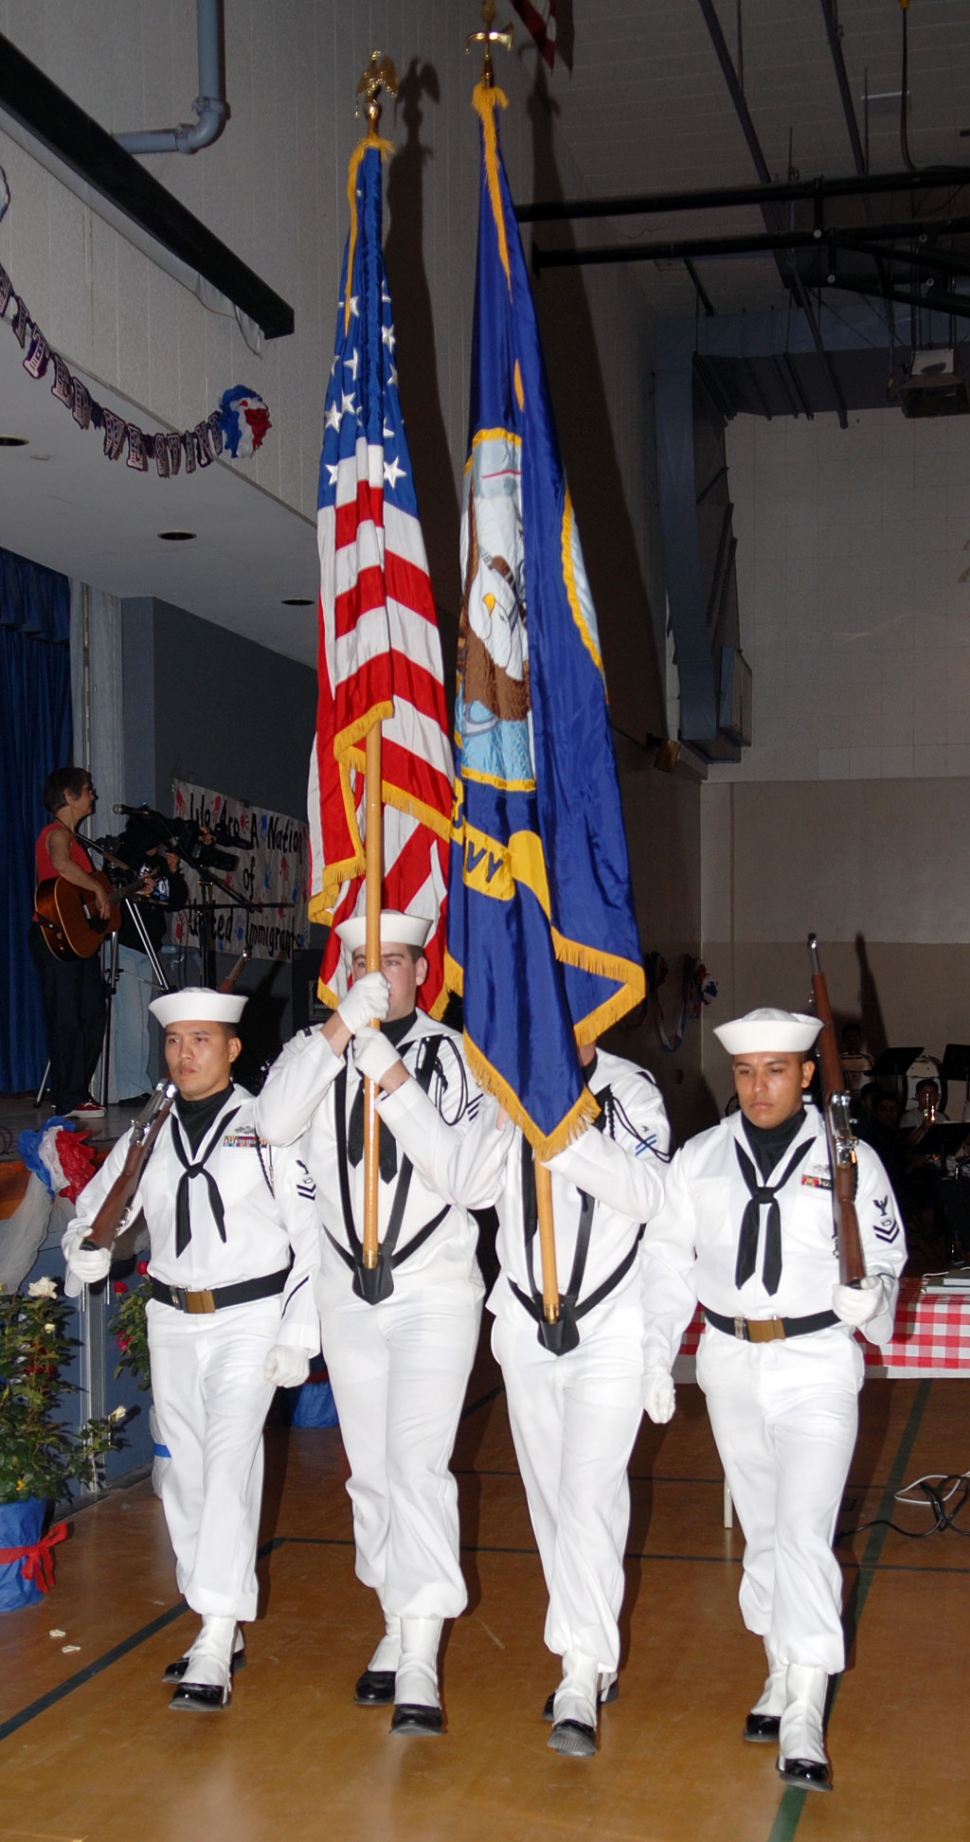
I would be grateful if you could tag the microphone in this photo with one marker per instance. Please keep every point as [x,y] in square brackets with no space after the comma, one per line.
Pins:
[134,812]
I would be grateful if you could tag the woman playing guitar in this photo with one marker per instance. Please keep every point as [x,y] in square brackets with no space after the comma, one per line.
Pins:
[73,989]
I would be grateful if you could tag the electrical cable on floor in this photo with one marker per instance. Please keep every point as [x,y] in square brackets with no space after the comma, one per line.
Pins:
[939,1488]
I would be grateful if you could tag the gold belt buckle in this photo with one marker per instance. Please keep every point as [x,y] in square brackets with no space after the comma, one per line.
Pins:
[765,1330]
[199,1302]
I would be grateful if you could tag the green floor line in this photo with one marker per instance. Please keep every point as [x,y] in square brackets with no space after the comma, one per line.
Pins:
[792,1803]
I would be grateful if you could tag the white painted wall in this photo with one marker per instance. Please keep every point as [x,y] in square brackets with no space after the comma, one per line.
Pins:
[273,188]
[854,585]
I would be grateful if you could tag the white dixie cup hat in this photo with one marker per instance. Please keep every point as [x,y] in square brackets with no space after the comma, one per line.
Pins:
[396,930]
[769,1031]
[197,1004]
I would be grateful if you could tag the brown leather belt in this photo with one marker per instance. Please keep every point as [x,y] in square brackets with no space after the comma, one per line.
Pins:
[769,1330]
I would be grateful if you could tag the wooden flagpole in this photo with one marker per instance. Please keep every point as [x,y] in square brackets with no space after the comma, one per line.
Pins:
[373,879]
[488,37]
[379,74]
[547,1243]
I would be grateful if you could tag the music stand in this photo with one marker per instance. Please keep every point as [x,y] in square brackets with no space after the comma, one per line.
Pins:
[956,1066]
[893,1065]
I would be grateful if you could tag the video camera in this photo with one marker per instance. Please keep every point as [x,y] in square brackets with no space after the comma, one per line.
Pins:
[187,834]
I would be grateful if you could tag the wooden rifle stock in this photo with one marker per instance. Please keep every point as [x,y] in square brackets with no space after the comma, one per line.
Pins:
[841,1141]
[112,1216]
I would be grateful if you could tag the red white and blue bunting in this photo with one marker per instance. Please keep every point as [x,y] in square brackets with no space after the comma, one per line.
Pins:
[238,426]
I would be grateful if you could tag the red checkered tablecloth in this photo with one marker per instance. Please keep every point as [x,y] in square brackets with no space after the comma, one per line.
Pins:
[932,1338]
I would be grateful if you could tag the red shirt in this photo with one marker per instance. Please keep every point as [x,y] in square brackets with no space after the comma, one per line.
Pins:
[45,867]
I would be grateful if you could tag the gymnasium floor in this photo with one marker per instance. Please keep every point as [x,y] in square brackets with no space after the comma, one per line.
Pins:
[88,1748]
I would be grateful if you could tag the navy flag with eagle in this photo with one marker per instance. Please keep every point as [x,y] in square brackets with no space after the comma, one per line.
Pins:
[542,938]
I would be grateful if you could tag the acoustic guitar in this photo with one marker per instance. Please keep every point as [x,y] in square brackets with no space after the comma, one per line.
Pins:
[73,929]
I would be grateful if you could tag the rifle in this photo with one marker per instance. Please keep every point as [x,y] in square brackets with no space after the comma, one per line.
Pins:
[112,1217]
[838,1127]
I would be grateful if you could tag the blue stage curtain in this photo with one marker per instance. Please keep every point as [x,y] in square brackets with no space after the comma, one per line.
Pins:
[35,736]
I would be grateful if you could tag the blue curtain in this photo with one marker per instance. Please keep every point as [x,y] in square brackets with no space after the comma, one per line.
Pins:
[35,736]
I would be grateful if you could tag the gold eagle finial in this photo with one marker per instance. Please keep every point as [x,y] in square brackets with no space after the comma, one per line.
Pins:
[487,38]
[379,75]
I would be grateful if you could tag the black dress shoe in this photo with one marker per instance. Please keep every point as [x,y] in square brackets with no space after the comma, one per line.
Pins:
[611,1694]
[174,1672]
[762,1727]
[375,1688]
[574,1738]
[810,1774]
[413,1717]
[203,1697]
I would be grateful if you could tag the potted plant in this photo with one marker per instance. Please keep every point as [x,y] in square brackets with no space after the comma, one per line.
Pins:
[38,1455]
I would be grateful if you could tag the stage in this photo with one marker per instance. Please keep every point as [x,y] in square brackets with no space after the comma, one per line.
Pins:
[89,1749]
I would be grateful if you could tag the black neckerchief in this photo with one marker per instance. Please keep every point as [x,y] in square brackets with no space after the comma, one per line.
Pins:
[196,1116]
[769,1144]
[395,1031]
[202,1114]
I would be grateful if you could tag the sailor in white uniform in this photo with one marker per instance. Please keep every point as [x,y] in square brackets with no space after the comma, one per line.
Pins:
[575,1388]
[399,1339]
[234,1245]
[747,1231]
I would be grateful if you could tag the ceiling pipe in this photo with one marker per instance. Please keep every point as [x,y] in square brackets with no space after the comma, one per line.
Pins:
[715,198]
[792,278]
[834,33]
[210,104]
[761,243]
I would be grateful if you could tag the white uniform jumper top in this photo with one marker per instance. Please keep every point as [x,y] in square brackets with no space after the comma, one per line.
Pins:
[784,1412]
[237,1221]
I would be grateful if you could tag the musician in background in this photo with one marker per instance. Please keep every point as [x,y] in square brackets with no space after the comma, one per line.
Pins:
[73,989]
[165,891]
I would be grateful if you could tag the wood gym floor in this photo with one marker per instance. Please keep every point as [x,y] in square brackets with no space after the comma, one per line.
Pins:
[88,1748]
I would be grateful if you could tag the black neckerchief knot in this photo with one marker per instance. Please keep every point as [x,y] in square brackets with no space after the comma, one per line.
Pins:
[183,1213]
[763,1194]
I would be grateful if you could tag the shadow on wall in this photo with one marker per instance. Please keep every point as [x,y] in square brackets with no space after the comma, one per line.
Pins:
[414,325]
[596,479]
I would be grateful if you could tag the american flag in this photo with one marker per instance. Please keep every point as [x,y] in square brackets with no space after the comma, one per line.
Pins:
[540,17]
[379,651]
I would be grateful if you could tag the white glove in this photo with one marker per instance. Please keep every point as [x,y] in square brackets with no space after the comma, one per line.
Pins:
[374,1056]
[658,1395]
[89,1264]
[287,1367]
[367,998]
[858,1305]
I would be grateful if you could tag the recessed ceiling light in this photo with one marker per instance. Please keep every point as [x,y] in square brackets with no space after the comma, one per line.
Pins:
[297,601]
[13,441]
[177,537]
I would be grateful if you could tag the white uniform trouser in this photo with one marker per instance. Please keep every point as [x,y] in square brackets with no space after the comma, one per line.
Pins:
[574,1419]
[211,1401]
[785,1416]
[399,1371]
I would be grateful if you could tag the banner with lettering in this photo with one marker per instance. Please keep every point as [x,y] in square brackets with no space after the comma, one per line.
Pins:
[271,870]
